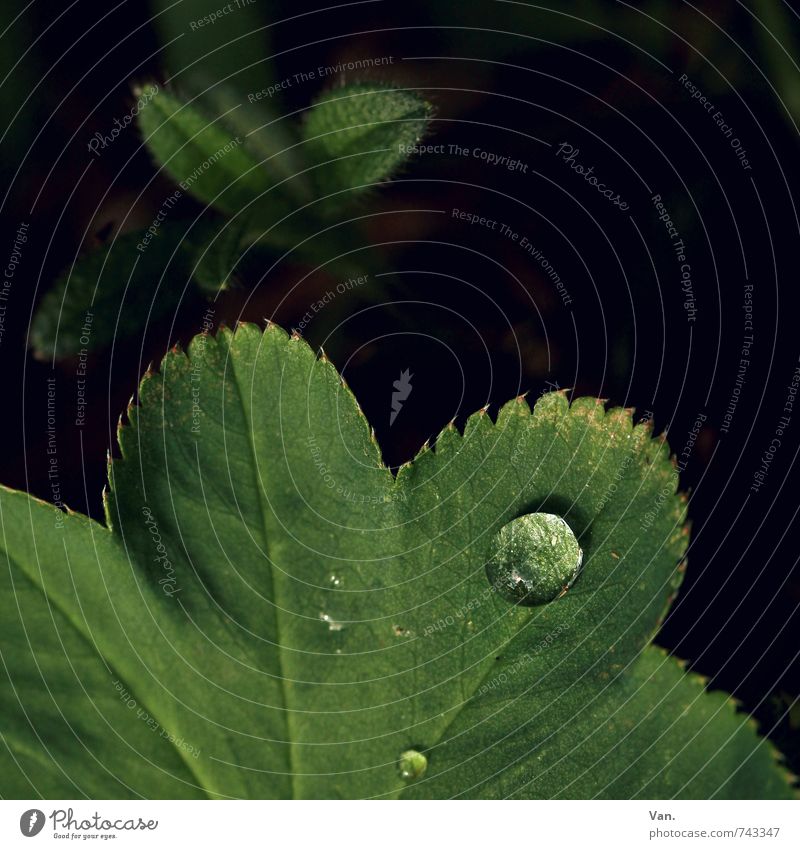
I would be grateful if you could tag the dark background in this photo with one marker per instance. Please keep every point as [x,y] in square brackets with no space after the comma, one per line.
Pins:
[472,316]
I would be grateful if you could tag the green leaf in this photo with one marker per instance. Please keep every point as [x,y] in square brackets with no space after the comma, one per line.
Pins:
[358,135]
[210,156]
[215,260]
[312,626]
[112,293]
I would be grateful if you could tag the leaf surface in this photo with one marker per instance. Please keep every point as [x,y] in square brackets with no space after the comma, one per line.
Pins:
[207,151]
[134,280]
[359,134]
[288,609]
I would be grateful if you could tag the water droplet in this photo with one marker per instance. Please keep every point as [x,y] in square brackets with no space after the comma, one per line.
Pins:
[335,581]
[412,765]
[333,625]
[537,558]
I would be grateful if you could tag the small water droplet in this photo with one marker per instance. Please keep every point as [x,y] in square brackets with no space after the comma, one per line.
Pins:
[537,558]
[333,625]
[412,765]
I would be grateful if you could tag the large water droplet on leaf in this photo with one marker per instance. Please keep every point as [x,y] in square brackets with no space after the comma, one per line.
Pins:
[412,765]
[536,559]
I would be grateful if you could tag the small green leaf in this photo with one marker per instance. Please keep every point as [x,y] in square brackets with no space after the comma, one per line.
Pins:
[311,626]
[208,156]
[112,293]
[215,259]
[359,134]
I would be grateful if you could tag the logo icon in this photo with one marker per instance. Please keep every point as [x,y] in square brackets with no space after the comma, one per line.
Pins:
[403,389]
[31,822]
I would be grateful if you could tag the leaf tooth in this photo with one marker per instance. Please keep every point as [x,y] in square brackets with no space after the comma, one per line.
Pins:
[552,404]
[245,327]
[619,422]
[586,407]
[477,421]
[272,328]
